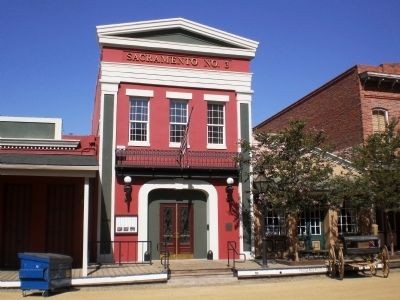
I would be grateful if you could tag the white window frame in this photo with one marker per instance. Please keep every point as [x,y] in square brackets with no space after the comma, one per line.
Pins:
[219,100]
[347,218]
[177,144]
[178,97]
[310,220]
[138,94]
[274,222]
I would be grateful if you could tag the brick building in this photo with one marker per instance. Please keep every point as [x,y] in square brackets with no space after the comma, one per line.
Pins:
[349,108]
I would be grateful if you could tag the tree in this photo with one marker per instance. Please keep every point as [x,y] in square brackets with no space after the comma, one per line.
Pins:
[294,170]
[378,162]
[377,182]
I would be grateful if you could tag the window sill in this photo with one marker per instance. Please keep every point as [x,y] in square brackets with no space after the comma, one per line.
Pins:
[176,145]
[139,144]
[219,147]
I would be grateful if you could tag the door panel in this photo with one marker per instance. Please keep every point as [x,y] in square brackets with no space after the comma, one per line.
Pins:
[168,224]
[16,223]
[176,222]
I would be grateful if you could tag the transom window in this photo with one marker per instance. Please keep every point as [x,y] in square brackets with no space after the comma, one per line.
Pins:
[379,120]
[215,123]
[310,222]
[274,222]
[347,220]
[139,120]
[177,120]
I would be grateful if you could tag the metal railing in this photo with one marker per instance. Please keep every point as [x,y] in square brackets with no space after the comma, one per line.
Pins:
[233,253]
[121,252]
[164,257]
[149,158]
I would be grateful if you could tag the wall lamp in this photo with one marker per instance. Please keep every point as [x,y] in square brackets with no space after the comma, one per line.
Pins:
[229,189]
[128,190]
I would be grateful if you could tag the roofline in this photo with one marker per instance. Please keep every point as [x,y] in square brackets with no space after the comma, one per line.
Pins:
[305,98]
[4,166]
[143,26]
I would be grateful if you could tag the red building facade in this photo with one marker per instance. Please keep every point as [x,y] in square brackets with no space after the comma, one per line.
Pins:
[173,100]
[48,182]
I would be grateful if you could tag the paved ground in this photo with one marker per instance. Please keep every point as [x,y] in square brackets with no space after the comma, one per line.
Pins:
[293,288]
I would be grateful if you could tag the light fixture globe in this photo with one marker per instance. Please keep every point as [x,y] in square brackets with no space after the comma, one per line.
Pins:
[127,179]
[229,181]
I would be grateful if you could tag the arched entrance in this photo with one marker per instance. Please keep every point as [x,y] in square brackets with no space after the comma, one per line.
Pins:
[178,218]
[204,200]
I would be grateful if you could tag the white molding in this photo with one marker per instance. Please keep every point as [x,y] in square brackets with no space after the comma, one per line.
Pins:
[244,96]
[179,77]
[241,47]
[176,47]
[132,27]
[140,93]
[212,208]
[179,95]
[46,171]
[155,277]
[109,87]
[318,269]
[217,98]
[85,228]
[139,143]
[22,143]
[56,121]
[217,146]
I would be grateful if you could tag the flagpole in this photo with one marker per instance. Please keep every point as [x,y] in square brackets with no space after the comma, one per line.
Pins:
[184,145]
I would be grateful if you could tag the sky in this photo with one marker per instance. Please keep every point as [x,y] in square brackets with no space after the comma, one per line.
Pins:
[49,54]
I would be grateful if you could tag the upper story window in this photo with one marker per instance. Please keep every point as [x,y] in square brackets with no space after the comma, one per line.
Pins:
[379,120]
[216,120]
[178,117]
[139,133]
[139,120]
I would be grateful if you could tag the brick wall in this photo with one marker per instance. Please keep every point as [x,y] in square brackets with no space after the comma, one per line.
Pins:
[375,99]
[334,108]
[341,107]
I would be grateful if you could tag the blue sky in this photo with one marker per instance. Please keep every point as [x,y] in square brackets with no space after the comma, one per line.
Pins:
[49,54]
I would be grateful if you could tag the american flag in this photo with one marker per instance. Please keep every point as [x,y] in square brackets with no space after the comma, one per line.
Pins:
[184,141]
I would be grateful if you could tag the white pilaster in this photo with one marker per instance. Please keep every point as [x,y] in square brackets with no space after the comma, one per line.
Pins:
[85,242]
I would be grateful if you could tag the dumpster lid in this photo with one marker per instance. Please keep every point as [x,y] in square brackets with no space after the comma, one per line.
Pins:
[44,256]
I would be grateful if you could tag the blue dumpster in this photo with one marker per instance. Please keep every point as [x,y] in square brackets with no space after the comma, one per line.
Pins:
[44,271]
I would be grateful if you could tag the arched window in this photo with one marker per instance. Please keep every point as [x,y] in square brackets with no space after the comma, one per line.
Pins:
[379,120]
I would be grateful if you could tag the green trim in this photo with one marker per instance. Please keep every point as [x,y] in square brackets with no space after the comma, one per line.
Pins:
[106,172]
[244,133]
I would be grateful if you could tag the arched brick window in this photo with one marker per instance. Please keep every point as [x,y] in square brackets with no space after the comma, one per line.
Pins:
[379,120]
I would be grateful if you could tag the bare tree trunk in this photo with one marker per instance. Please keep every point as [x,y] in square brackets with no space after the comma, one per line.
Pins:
[292,221]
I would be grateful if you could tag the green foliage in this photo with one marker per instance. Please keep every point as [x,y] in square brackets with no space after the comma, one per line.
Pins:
[378,164]
[296,172]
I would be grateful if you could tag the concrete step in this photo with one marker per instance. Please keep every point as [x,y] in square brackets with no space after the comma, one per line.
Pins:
[200,272]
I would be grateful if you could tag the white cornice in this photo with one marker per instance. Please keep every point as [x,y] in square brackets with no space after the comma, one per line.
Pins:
[176,47]
[38,144]
[170,76]
[163,24]
[107,36]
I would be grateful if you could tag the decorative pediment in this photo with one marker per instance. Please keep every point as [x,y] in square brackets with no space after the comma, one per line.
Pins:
[179,35]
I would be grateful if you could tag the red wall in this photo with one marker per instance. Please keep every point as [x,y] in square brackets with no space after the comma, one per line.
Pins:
[146,57]
[159,117]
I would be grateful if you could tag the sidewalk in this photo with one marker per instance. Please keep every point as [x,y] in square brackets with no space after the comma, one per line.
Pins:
[189,269]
